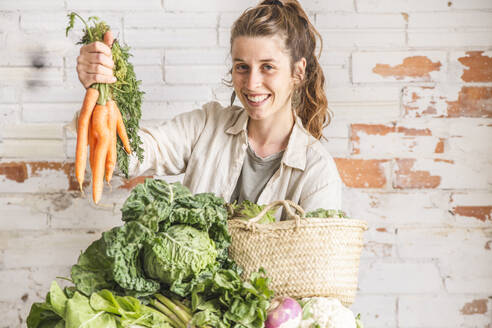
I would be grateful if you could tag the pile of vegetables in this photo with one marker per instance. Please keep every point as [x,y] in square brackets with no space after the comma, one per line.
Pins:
[166,266]
[108,111]
[169,238]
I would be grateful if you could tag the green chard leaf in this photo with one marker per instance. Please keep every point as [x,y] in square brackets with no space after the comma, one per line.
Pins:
[80,314]
[113,262]
[42,315]
[247,210]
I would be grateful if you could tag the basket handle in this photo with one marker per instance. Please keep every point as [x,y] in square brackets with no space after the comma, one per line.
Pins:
[288,205]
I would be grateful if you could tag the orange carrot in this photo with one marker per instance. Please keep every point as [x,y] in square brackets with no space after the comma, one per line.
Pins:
[101,134]
[111,157]
[120,126]
[82,133]
[92,144]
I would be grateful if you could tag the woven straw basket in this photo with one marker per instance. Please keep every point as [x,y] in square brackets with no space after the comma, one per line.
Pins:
[303,257]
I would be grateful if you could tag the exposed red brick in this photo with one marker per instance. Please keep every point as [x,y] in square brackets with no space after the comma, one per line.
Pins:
[472,102]
[482,213]
[450,161]
[416,66]
[430,111]
[475,307]
[405,177]
[359,173]
[405,16]
[479,67]
[381,229]
[130,184]
[14,171]
[487,245]
[440,146]
[414,132]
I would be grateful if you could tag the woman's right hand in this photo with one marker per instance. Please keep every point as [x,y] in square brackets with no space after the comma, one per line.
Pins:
[95,63]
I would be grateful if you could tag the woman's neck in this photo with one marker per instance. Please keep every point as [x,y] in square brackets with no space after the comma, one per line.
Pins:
[271,135]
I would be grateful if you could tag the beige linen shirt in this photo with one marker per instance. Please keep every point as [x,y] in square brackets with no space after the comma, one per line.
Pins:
[209,146]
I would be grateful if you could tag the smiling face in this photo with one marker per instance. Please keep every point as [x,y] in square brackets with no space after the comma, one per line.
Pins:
[262,76]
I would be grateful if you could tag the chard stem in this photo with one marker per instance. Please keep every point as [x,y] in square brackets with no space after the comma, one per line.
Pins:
[175,321]
[173,307]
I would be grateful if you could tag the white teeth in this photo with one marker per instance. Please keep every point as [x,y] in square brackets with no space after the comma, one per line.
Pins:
[257,98]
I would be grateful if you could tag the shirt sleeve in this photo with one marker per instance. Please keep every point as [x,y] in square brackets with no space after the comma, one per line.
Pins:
[328,196]
[168,147]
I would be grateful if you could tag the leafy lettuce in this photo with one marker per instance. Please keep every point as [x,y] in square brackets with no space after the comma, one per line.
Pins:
[223,300]
[169,237]
[323,213]
[178,255]
[114,262]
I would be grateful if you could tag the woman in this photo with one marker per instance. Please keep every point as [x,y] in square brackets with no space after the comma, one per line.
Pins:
[269,149]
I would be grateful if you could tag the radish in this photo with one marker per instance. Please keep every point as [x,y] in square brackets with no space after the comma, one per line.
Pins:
[284,312]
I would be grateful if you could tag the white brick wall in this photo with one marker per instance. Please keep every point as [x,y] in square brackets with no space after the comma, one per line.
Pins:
[409,82]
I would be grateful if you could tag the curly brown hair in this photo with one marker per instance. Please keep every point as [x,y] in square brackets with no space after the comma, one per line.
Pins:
[289,20]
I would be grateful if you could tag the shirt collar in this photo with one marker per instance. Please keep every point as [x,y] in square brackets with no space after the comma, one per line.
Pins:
[299,140]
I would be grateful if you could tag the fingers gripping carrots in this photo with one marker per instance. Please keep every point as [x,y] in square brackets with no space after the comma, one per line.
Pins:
[98,127]
[101,121]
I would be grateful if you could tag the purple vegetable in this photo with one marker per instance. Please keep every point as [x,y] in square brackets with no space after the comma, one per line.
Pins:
[284,312]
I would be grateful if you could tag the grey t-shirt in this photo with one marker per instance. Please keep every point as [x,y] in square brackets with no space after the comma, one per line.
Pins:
[255,174]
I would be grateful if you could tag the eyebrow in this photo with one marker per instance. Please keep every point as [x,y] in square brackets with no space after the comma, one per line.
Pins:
[261,60]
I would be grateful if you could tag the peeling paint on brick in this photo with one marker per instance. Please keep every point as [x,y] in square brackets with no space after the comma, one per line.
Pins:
[444,160]
[21,171]
[440,146]
[371,138]
[14,171]
[414,132]
[472,102]
[130,184]
[372,129]
[405,177]
[405,16]
[67,168]
[416,66]
[487,245]
[482,213]
[475,307]
[381,229]
[448,101]
[479,67]
[358,173]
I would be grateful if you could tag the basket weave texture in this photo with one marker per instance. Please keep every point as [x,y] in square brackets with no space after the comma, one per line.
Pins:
[303,257]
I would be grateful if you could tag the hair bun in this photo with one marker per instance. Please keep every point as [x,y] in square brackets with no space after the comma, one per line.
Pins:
[273,3]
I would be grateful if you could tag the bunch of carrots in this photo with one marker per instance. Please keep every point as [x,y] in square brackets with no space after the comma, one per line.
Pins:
[99,123]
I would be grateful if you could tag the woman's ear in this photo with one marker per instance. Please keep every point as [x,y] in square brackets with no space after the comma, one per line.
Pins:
[299,70]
